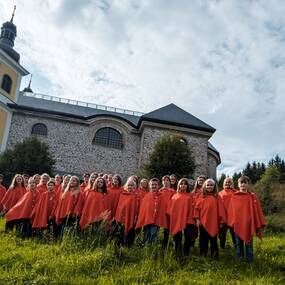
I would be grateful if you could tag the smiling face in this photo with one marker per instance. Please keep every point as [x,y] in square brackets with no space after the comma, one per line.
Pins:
[166,182]
[50,186]
[182,188]
[131,185]
[19,180]
[154,186]
[44,179]
[209,186]
[144,183]
[228,183]
[58,179]
[74,182]
[115,181]
[32,184]
[172,179]
[200,181]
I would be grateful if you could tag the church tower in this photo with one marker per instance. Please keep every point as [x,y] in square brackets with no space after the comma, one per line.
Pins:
[11,73]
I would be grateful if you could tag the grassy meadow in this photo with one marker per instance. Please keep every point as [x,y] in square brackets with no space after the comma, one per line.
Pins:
[93,261]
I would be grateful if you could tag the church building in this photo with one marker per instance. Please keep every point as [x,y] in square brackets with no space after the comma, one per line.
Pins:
[86,137]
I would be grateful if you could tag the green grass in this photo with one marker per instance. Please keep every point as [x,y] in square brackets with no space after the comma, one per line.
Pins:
[74,261]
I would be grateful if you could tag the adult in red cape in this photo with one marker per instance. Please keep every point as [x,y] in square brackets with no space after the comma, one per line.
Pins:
[70,204]
[197,193]
[43,215]
[12,196]
[152,214]
[63,186]
[114,193]
[127,213]
[97,206]
[22,211]
[166,193]
[210,215]
[92,178]
[42,186]
[143,188]
[2,191]
[84,184]
[226,194]
[58,181]
[246,217]
[181,216]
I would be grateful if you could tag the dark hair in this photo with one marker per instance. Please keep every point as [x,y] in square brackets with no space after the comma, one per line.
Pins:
[187,183]
[86,174]
[173,186]
[196,186]
[119,179]
[165,177]
[104,186]
[244,178]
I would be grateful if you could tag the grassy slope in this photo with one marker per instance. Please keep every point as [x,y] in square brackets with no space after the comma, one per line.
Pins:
[71,262]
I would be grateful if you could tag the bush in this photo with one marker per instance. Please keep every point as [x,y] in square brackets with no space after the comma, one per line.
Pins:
[30,156]
[170,155]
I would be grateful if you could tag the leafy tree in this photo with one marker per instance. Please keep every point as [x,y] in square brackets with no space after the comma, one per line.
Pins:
[30,156]
[170,155]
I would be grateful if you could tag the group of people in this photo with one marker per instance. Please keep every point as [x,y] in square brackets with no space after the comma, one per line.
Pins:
[187,210]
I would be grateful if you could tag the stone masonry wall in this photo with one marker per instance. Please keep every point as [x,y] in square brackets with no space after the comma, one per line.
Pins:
[212,166]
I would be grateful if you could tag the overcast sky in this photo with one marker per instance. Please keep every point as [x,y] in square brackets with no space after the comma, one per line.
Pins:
[222,61]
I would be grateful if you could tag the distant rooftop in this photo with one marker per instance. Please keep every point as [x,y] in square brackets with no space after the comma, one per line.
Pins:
[82,104]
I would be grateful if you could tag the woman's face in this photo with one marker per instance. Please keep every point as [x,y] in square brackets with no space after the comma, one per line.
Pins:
[183,186]
[172,180]
[166,183]
[115,180]
[144,183]
[66,179]
[37,179]
[201,181]
[58,179]
[19,179]
[92,178]
[32,184]
[210,186]
[131,186]
[50,187]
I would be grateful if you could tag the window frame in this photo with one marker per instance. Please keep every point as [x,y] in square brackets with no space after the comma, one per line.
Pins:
[4,82]
[112,138]
[39,132]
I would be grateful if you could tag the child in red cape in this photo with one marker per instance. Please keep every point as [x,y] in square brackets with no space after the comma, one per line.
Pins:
[2,191]
[181,216]
[69,208]
[43,215]
[84,184]
[210,215]
[42,186]
[152,215]
[114,192]
[96,206]
[12,196]
[246,217]
[226,194]
[167,193]
[22,211]
[127,213]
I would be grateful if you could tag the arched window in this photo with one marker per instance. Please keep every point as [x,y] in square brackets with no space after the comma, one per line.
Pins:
[39,130]
[108,137]
[6,83]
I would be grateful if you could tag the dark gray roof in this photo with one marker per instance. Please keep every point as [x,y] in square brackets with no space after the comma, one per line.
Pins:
[172,114]
[212,148]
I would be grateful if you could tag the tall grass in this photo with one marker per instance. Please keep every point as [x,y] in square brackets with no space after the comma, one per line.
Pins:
[88,260]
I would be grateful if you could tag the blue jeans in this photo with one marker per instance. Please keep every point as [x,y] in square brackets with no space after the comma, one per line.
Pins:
[150,233]
[240,249]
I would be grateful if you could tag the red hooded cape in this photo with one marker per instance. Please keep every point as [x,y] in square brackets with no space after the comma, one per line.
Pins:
[152,211]
[245,215]
[69,204]
[83,186]
[42,188]
[12,197]
[211,212]
[226,195]
[141,192]
[181,212]
[44,209]
[127,210]
[96,207]
[2,194]
[114,195]
[24,208]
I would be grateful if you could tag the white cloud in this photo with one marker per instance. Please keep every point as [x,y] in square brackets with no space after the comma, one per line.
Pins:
[223,61]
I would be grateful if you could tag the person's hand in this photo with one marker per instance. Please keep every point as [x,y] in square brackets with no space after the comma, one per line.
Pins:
[198,223]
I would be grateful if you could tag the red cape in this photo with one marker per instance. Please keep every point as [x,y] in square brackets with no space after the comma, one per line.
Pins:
[69,204]
[152,211]
[44,209]
[141,192]
[226,195]
[96,206]
[114,195]
[127,210]
[83,186]
[12,197]
[2,194]
[42,188]
[245,215]
[211,212]
[180,212]
[24,208]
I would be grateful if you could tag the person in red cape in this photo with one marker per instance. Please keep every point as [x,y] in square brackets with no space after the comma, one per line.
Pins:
[109,180]
[84,184]
[181,216]
[246,217]
[43,215]
[69,208]
[166,193]
[152,215]
[42,186]
[127,213]
[92,178]
[210,215]
[197,193]
[58,181]
[143,188]
[173,182]
[226,194]
[37,178]
[26,179]
[21,212]
[114,193]
[63,186]
[2,191]
[97,207]
[12,196]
